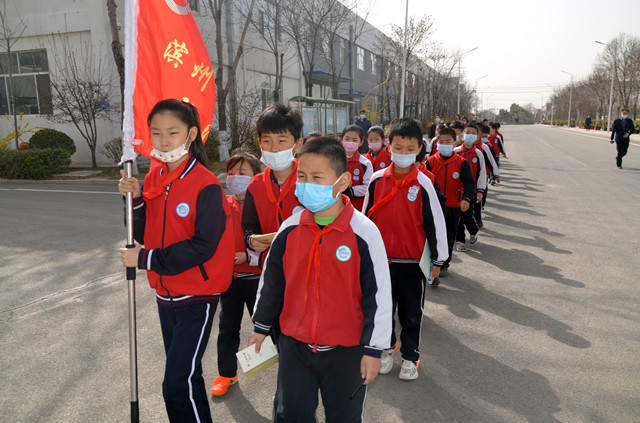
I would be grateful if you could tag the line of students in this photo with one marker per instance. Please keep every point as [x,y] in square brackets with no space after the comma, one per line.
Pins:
[330,277]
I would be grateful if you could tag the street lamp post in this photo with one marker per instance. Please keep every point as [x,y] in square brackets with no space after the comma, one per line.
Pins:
[476,90]
[552,103]
[404,61]
[613,64]
[459,75]
[570,96]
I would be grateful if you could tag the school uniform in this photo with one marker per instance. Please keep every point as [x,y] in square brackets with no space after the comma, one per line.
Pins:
[408,213]
[379,160]
[241,293]
[188,255]
[361,170]
[453,173]
[332,287]
[267,204]
[475,158]
[491,168]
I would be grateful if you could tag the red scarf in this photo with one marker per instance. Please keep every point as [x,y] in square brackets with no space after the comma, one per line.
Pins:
[399,183]
[166,179]
[287,186]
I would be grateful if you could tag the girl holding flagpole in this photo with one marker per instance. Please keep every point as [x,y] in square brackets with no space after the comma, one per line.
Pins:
[182,218]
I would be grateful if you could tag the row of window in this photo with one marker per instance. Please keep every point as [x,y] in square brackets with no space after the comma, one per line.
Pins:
[31,83]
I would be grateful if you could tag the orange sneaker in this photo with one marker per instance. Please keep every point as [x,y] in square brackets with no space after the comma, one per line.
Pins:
[221,385]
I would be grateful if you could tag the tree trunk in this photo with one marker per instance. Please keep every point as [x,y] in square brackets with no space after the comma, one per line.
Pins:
[116,48]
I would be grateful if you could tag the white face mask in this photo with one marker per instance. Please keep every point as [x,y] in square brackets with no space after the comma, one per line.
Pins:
[277,161]
[470,138]
[362,116]
[173,155]
[625,116]
[403,160]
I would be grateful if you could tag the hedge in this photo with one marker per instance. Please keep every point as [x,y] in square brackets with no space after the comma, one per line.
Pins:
[50,138]
[33,164]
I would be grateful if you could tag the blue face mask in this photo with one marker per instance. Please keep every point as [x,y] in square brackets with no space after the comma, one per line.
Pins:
[445,150]
[403,160]
[238,184]
[485,139]
[316,197]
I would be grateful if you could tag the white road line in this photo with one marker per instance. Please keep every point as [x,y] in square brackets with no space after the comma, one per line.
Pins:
[60,190]
[568,131]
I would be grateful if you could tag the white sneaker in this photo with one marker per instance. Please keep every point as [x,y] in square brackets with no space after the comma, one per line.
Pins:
[409,370]
[473,239]
[386,361]
[460,246]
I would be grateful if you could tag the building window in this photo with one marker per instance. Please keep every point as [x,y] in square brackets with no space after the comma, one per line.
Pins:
[268,14]
[374,64]
[31,81]
[360,53]
[193,5]
[268,91]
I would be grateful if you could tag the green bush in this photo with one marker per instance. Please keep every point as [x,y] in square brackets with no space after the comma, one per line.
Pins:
[212,146]
[50,138]
[33,164]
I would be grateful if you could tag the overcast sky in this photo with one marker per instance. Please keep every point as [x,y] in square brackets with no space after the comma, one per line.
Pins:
[521,46]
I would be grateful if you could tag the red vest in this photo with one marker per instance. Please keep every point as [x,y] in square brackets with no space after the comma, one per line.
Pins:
[173,219]
[273,205]
[471,157]
[447,174]
[381,161]
[240,246]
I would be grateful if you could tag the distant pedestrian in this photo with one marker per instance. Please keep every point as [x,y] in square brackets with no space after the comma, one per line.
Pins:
[622,129]
[434,125]
[587,123]
[363,122]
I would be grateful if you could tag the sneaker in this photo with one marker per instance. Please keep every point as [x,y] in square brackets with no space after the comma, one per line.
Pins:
[619,167]
[473,239]
[460,246]
[386,361]
[409,370]
[435,281]
[222,384]
[480,225]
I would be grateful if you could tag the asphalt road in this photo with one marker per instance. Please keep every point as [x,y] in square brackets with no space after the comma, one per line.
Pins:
[538,322]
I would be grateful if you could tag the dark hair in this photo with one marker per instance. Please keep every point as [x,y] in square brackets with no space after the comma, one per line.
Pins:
[494,125]
[312,134]
[473,126]
[245,156]
[624,109]
[456,124]
[423,152]
[378,130]
[362,110]
[353,128]
[188,114]
[278,119]
[484,129]
[406,128]
[447,131]
[330,148]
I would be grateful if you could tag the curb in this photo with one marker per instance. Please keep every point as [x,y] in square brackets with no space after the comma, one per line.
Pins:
[102,182]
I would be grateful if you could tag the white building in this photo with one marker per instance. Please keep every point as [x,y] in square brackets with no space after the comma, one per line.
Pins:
[50,23]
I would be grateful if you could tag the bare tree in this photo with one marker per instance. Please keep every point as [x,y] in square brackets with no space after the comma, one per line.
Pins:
[116,45]
[623,55]
[242,117]
[220,8]
[303,22]
[82,87]
[8,38]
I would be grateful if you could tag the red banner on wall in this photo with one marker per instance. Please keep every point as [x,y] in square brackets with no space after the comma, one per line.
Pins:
[170,61]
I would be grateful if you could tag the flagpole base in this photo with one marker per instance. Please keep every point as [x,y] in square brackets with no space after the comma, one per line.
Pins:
[135,416]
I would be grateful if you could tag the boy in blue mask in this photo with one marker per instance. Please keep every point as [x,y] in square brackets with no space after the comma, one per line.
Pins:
[453,173]
[327,272]
[404,205]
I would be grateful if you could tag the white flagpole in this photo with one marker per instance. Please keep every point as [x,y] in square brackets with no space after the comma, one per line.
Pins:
[128,156]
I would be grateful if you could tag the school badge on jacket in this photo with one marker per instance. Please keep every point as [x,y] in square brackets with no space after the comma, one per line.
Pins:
[183,209]
[413,193]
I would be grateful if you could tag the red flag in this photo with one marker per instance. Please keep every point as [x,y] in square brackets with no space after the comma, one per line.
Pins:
[170,60]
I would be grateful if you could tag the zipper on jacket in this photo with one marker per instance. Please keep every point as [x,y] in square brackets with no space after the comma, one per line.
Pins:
[446,176]
[164,225]
[314,327]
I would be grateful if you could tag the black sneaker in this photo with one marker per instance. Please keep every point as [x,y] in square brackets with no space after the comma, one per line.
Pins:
[436,281]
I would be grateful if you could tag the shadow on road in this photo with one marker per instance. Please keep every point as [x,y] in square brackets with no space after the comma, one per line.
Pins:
[537,241]
[473,380]
[467,294]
